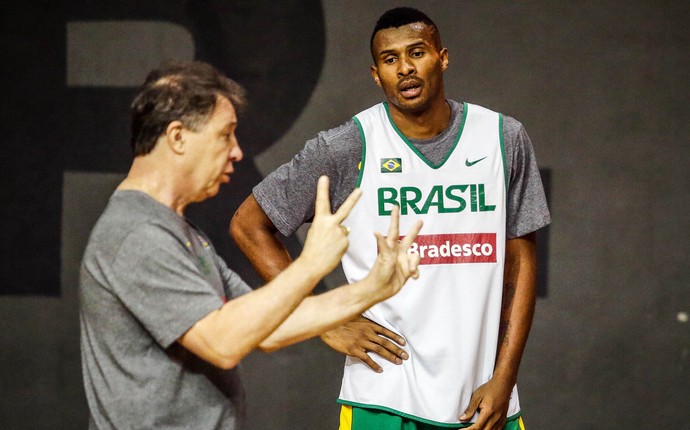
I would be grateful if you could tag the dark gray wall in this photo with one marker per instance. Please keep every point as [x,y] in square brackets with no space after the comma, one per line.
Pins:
[603,90]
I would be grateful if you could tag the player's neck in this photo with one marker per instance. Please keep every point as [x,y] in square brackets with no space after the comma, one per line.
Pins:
[424,124]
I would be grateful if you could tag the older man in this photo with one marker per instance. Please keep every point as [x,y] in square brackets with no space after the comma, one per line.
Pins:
[164,322]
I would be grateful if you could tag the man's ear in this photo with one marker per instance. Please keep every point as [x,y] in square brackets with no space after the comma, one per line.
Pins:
[375,75]
[174,136]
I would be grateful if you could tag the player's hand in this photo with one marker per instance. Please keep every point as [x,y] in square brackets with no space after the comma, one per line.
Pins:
[492,400]
[326,240]
[361,335]
[394,265]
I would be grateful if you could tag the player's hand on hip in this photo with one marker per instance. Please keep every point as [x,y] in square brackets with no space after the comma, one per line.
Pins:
[327,239]
[358,337]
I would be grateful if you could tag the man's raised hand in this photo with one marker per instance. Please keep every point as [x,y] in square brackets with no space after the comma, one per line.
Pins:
[327,239]
[394,265]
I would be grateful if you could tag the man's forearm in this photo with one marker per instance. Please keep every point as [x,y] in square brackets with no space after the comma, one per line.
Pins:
[228,334]
[310,320]
[225,336]
[517,311]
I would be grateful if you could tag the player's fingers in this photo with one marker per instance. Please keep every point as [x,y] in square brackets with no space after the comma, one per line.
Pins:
[496,422]
[362,355]
[480,424]
[388,350]
[345,209]
[323,203]
[382,331]
[471,410]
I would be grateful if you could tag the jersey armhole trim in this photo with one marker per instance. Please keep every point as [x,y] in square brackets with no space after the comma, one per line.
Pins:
[362,161]
[506,174]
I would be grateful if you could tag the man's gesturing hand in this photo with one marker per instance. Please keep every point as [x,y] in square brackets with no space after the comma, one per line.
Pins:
[327,240]
[394,265]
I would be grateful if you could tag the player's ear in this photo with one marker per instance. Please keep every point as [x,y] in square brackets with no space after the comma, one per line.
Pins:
[375,75]
[444,59]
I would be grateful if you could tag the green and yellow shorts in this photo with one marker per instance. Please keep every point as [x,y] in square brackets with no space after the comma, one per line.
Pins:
[354,418]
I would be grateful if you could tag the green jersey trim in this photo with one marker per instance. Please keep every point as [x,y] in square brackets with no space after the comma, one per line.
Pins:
[362,161]
[506,176]
[414,149]
[418,419]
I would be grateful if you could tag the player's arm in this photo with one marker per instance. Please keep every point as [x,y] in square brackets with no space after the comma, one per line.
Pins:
[225,336]
[517,310]
[255,235]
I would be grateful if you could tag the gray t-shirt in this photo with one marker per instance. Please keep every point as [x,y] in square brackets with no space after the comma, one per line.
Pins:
[287,195]
[147,276]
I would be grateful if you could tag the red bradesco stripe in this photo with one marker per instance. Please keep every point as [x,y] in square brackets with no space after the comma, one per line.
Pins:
[458,248]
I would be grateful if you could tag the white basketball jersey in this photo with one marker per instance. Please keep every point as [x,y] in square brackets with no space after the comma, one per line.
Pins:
[450,315]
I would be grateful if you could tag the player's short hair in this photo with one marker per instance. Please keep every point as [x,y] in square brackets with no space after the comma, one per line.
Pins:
[185,91]
[400,16]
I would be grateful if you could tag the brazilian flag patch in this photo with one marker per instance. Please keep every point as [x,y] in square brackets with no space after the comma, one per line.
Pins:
[391,165]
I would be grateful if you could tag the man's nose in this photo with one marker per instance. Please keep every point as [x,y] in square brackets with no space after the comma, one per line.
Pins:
[236,153]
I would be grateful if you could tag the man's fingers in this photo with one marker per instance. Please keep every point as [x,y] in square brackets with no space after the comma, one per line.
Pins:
[382,243]
[323,202]
[345,209]
[414,265]
[412,234]
[394,227]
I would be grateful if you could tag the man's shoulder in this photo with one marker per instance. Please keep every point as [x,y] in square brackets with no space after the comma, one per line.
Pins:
[133,213]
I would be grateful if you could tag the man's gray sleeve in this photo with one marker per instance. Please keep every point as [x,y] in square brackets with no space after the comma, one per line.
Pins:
[233,284]
[527,207]
[167,294]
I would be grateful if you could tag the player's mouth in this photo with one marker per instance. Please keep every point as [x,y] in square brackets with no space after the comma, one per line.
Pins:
[410,88]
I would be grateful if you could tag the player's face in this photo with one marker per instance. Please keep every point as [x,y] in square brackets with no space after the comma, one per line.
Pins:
[213,148]
[409,66]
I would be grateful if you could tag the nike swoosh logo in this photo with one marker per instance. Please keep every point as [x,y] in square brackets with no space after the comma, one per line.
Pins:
[469,163]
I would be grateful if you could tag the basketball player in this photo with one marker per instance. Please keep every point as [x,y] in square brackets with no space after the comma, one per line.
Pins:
[471,175]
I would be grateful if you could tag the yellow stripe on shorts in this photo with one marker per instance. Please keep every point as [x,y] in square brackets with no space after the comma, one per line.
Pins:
[521,424]
[345,418]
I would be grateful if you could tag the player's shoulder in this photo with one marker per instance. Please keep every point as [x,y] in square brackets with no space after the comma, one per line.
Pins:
[347,131]
[343,139]
[511,126]
[509,122]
